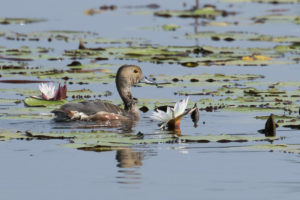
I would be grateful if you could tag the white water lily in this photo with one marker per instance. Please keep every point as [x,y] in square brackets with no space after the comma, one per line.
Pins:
[48,90]
[172,113]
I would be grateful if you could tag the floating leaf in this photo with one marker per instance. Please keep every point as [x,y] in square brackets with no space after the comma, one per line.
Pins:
[170,27]
[34,102]
[285,148]
[97,140]
[206,12]
[20,21]
[4,135]
[278,18]
[242,36]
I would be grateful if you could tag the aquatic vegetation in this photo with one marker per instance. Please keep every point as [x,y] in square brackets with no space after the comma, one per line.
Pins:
[106,140]
[172,117]
[170,27]
[233,36]
[49,92]
[285,148]
[36,102]
[209,12]
[277,18]
[87,61]
[5,135]
[20,21]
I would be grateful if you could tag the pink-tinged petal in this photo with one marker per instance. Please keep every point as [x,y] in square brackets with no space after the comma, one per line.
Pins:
[61,92]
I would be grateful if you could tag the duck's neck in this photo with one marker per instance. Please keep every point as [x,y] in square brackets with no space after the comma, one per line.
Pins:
[128,100]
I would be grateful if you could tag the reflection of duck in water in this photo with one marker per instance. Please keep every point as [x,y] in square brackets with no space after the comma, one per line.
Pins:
[97,110]
[128,158]
[129,161]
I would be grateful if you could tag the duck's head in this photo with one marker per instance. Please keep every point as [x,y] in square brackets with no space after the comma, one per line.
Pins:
[128,75]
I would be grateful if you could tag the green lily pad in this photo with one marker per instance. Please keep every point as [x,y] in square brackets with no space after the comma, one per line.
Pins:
[97,140]
[59,35]
[170,27]
[231,36]
[277,18]
[247,99]
[206,12]
[33,102]
[208,78]
[285,148]
[121,142]
[21,21]
[4,135]
[186,55]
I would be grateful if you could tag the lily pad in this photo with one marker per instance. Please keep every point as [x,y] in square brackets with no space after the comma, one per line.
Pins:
[277,18]
[20,21]
[247,99]
[97,140]
[206,12]
[285,148]
[34,102]
[170,27]
[243,36]
[4,135]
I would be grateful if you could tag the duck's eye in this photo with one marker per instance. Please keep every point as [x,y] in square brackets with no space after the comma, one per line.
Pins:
[135,71]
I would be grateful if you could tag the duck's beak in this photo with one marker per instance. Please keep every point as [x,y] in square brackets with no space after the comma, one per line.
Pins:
[147,81]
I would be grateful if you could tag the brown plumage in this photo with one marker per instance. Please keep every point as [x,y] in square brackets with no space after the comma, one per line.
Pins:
[98,110]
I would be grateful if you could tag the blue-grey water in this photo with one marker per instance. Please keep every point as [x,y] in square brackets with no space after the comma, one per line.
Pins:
[44,169]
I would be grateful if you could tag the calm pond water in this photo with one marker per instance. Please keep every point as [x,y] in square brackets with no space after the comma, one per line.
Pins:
[45,169]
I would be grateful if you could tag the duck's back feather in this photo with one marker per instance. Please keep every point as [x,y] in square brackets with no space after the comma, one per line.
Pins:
[87,108]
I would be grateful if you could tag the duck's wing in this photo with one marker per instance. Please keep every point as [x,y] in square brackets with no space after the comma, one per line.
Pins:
[87,108]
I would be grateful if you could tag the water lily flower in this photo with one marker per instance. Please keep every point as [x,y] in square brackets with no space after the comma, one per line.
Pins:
[172,118]
[49,93]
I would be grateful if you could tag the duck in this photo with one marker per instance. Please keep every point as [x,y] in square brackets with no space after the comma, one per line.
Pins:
[97,110]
